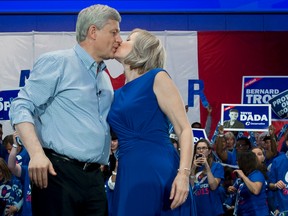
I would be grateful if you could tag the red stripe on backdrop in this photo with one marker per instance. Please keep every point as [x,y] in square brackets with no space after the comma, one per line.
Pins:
[117,82]
[224,57]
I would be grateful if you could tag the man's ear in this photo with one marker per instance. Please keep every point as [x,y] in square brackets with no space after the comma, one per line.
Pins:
[92,32]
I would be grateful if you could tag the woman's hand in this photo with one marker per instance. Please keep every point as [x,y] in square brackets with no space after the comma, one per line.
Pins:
[231,189]
[180,189]
[239,173]
[198,162]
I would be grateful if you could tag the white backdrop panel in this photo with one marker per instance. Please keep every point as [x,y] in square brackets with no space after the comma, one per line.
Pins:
[18,51]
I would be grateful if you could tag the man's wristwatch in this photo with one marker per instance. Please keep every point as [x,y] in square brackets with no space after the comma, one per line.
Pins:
[15,145]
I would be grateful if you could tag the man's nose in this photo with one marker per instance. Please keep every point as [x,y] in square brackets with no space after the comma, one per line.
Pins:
[119,39]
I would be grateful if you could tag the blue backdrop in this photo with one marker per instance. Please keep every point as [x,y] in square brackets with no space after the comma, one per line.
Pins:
[198,15]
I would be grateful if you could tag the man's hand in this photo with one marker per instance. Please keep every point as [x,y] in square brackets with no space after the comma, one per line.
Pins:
[39,168]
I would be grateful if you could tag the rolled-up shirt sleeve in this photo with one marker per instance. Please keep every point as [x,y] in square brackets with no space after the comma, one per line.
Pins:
[38,90]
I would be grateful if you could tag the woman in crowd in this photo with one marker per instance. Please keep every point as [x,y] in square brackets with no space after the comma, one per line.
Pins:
[251,196]
[10,191]
[259,152]
[230,140]
[151,178]
[206,176]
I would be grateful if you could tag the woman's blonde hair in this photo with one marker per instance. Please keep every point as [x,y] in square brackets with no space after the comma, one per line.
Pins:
[147,52]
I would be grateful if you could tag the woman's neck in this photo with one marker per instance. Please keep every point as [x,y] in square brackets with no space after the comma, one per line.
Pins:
[130,74]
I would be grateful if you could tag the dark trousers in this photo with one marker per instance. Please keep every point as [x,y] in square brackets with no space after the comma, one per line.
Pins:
[72,192]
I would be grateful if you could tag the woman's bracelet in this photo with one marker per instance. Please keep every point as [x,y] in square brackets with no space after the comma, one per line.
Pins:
[185,169]
[188,171]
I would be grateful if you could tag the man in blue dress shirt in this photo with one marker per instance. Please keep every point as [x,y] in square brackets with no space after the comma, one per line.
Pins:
[60,116]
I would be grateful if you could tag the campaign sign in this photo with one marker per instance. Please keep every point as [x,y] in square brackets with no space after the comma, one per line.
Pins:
[199,134]
[5,100]
[246,117]
[261,89]
[279,104]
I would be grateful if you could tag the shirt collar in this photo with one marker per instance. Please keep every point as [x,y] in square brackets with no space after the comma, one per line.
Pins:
[88,61]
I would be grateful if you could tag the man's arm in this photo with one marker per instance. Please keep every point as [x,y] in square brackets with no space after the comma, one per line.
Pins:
[39,165]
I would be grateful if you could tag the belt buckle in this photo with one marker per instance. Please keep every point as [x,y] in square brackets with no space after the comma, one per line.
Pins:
[86,166]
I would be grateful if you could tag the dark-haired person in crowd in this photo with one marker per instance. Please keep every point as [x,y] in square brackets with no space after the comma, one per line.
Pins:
[61,117]
[259,152]
[111,172]
[284,146]
[251,196]
[206,176]
[175,141]
[269,144]
[3,152]
[140,115]
[22,154]
[233,122]
[10,191]
[278,178]
[21,172]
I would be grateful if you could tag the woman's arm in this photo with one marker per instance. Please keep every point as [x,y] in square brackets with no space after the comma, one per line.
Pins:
[254,187]
[12,165]
[212,181]
[171,104]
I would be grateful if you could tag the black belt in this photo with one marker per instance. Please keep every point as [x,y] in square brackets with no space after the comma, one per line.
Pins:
[88,167]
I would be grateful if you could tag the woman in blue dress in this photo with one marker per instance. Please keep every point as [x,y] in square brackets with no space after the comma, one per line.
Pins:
[151,178]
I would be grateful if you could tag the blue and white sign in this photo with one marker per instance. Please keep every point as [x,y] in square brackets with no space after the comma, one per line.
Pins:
[5,100]
[279,104]
[198,134]
[261,89]
[246,117]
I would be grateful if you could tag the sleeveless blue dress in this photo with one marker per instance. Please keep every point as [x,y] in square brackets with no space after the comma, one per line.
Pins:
[147,160]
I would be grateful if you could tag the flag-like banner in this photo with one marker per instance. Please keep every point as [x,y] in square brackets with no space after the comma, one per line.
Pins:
[206,65]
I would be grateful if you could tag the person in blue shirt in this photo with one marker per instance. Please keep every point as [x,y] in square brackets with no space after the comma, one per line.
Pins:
[60,115]
[3,152]
[10,191]
[230,157]
[22,154]
[21,172]
[251,196]
[278,177]
[206,176]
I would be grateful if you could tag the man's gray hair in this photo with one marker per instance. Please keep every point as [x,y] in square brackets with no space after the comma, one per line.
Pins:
[97,15]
